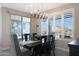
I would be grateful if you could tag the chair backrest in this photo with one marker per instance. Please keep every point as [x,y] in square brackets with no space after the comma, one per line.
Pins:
[26,36]
[51,39]
[17,47]
[34,36]
[44,38]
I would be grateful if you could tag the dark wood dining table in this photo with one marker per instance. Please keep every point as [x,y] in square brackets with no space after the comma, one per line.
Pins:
[30,43]
[38,45]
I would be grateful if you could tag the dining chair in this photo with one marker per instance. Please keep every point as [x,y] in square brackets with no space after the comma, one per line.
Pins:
[37,50]
[41,48]
[20,50]
[51,41]
[48,46]
[27,36]
[34,36]
[45,45]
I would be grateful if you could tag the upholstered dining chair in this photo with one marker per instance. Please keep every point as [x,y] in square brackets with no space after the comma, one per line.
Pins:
[27,37]
[20,50]
[51,41]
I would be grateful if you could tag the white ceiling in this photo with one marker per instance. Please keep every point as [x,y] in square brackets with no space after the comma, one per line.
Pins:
[32,7]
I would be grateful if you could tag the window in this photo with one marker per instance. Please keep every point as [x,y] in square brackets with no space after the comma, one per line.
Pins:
[26,25]
[51,25]
[57,27]
[67,24]
[43,26]
[20,25]
[16,25]
[61,26]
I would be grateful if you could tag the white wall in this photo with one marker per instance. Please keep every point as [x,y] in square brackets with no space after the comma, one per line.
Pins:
[0,22]
[0,26]
[5,42]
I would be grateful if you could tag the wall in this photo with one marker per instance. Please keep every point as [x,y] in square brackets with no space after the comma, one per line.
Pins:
[0,22]
[33,24]
[35,21]
[6,46]
[0,26]
[76,24]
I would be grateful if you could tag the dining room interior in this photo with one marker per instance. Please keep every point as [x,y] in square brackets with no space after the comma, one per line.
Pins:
[39,29]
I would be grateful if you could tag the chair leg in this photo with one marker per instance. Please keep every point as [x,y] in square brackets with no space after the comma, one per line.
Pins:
[54,52]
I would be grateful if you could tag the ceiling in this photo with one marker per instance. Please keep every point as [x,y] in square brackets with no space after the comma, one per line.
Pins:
[32,7]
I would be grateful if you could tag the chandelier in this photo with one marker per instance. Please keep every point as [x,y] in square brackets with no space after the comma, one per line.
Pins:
[40,12]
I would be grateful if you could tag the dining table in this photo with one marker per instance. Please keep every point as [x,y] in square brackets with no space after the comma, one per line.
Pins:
[38,46]
[30,43]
